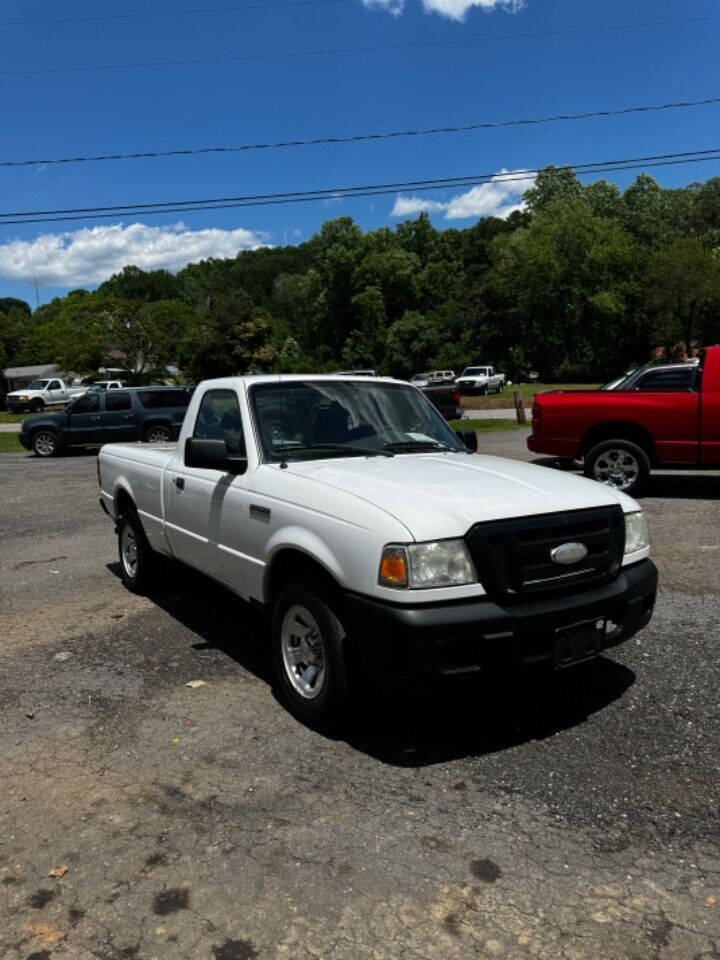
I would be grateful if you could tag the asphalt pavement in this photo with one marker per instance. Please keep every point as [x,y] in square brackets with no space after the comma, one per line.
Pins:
[575,818]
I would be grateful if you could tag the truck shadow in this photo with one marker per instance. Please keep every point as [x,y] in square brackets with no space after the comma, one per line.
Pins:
[447,721]
[475,718]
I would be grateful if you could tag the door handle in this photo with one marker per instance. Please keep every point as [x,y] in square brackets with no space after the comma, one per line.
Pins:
[95,419]
[127,416]
[179,483]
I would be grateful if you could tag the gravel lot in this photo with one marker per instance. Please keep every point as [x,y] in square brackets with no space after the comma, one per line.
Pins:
[577,819]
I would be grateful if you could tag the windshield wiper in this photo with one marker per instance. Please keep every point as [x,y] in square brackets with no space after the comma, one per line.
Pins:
[413,445]
[338,448]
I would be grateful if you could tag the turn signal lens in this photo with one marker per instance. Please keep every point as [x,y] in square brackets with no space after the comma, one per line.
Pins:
[393,567]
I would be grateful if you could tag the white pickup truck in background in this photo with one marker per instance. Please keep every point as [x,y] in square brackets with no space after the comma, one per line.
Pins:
[40,394]
[376,542]
[481,380]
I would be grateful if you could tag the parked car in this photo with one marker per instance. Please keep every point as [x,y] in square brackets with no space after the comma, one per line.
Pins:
[152,414]
[663,416]
[446,398]
[481,380]
[106,385]
[375,540]
[433,378]
[40,394]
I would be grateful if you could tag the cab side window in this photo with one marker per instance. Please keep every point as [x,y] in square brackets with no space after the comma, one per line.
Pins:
[119,400]
[668,380]
[54,385]
[87,403]
[219,419]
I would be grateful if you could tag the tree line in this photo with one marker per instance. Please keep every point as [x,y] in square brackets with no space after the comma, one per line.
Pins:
[581,284]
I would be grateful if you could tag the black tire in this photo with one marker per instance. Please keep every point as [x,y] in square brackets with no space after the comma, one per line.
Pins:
[36,406]
[158,433]
[45,444]
[483,391]
[631,462]
[328,706]
[140,577]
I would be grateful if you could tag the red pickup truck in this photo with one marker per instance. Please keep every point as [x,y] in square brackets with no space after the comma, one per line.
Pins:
[661,417]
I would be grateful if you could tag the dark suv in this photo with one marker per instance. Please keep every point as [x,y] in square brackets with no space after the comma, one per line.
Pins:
[153,414]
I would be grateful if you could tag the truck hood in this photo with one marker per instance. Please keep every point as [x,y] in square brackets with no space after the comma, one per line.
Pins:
[443,495]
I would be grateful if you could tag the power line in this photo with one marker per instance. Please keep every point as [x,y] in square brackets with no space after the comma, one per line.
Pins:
[169,13]
[367,49]
[333,193]
[357,138]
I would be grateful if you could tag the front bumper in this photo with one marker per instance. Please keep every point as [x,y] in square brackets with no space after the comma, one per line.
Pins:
[24,439]
[412,643]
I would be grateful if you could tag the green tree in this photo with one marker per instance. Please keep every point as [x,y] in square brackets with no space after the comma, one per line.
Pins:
[683,292]
[411,340]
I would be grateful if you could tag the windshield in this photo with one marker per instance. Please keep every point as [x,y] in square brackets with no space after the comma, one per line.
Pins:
[475,372]
[37,385]
[309,419]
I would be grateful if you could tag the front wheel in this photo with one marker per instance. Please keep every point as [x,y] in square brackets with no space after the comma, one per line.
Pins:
[158,435]
[621,464]
[36,406]
[308,651]
[45,444]
[138,561]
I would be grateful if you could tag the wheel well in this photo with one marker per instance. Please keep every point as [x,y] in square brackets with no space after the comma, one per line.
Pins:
[290,563]
[151,424]
[123,500]
[618,430]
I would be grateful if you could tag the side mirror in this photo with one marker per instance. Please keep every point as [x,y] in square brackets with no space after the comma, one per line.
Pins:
[469,438]
[212,455]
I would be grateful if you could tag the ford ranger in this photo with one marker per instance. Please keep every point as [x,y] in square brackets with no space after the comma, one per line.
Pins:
[375,540]
[665,417]
[481,380]
[42,393]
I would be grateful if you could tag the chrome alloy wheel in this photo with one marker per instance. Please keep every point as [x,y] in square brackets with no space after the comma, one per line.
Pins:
[618,468]
[44,444]
[129,551]
[303,652]
[157,435]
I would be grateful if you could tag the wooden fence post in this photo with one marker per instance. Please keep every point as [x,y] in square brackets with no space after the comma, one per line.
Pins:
[519,408]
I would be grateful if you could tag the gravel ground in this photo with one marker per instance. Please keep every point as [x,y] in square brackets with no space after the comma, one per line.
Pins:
[572,819]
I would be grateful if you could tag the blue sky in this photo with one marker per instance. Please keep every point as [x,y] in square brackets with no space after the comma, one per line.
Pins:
[156,108]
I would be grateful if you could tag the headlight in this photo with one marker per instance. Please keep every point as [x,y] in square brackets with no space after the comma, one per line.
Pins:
[22,397]
[439,563]
[637,536]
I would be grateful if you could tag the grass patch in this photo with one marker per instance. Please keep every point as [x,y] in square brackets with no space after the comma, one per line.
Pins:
[6,417]
[488,425]
[9,443]
[501,401]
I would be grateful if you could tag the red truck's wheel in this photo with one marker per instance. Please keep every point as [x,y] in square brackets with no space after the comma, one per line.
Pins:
[619,463]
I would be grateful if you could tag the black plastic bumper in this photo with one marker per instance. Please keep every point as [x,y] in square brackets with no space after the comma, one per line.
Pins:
[24,439]
[479,636]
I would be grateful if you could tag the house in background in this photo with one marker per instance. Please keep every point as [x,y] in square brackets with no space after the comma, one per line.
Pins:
[19,377]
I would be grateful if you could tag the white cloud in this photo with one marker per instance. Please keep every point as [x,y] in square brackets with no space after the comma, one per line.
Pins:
[499,197]
[457,9]
[410,206]
[91,255]
[395,7]
[454,9]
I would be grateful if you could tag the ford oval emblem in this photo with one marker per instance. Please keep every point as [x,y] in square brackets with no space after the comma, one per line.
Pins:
[568,553]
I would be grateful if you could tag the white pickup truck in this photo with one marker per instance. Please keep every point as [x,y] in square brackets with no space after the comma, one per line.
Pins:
[481,380]
[40,394]
[375,540]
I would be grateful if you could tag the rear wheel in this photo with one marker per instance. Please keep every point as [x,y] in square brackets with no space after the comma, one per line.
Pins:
[310,665]
[138,561]
[45,444]
[158,434]
[621,464]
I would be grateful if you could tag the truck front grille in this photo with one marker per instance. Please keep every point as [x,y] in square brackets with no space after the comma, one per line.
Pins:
[512,557]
